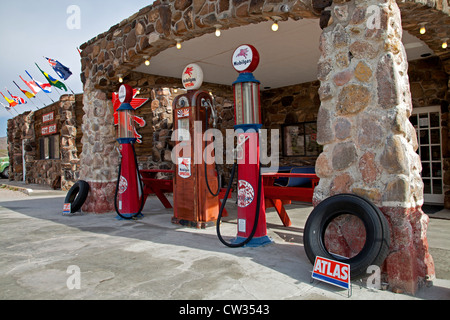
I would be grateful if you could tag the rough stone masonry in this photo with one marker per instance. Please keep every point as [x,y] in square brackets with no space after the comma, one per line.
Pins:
[365,93]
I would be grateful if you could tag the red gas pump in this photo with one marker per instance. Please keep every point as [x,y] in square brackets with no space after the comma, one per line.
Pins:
[252,230]
[129,191]
[196,203]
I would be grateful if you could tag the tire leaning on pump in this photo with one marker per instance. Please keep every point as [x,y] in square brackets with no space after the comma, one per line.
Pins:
[77,195]
[376,247]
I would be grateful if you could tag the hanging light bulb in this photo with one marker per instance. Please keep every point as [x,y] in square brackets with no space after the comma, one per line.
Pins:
[120,78]
[275,23]
[445,44]
[178,43]
[422,29]
[147,60]
[275,27]
[218,32]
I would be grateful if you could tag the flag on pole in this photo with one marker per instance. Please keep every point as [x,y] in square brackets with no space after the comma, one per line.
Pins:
[62,71]
[46,87]
[12,103]
[52,81]
[32,85]
[5,106]
[28,94]
[19,100]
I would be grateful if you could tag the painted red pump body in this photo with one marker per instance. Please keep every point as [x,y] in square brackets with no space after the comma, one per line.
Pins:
[129,201]
[248,179]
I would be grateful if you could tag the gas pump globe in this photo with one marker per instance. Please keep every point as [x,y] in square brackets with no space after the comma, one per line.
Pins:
[126,115]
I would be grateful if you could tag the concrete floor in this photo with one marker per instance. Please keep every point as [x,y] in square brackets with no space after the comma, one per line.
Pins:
[154,259]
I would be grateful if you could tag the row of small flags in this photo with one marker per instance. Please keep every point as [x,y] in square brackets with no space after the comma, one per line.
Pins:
[35,86]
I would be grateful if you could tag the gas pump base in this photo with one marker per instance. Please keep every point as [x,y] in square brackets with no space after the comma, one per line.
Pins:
[193,224]
[138,217]
[255,242]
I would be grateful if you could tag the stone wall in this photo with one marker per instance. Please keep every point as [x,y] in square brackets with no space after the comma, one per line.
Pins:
[21,128]
[62,172]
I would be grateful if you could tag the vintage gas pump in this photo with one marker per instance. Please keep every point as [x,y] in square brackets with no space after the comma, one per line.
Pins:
[252,230]
[129,195]
[194,205]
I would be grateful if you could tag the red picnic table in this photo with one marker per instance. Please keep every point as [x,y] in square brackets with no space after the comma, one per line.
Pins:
[155,186]
[277,196]
[159,187]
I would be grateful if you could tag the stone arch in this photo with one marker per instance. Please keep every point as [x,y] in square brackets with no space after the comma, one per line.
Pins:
[157,27]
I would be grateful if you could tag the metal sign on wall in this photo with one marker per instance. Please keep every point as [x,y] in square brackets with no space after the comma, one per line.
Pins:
[48,117]
[48,130]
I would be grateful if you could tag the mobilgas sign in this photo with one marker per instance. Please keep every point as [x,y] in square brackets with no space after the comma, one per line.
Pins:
[332,272]
[245,58]
[192,77]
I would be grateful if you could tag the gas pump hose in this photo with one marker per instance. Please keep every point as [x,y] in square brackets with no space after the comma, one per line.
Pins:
[219,180]
[258,204]
[133,217]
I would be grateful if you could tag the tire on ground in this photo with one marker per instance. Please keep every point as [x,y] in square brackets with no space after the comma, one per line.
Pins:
[376,247]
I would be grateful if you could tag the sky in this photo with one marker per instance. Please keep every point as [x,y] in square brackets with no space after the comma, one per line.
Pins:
[31,30]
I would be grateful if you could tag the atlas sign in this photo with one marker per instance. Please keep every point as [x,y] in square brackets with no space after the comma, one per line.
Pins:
[332,272]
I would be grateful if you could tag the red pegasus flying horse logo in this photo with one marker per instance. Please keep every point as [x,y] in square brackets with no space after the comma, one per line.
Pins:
[243,53]
[189,71]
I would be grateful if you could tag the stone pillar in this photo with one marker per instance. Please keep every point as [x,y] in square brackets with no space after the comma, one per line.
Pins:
[99,161]
[369,143]
[21,142]
[69,156]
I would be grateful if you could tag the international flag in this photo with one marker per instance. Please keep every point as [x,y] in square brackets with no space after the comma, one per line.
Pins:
[29,95]
[62,71]
[32,85]
[12,103]
[46,87]
[19,100]
[6,107]
[52,81]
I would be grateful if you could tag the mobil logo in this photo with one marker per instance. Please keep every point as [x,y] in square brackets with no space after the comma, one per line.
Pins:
[332,272]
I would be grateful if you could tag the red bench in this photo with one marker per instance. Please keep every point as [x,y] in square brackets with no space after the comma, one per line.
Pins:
[277,197]
[159,187]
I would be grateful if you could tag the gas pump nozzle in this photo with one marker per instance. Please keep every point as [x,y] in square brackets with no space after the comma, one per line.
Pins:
[213,113]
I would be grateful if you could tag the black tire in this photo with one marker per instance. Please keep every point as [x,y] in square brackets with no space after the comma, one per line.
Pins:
[376,247]
[77,195]
[5,173]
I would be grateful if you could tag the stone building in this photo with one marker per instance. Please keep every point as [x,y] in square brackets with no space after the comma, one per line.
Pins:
[368,106]
[44,145]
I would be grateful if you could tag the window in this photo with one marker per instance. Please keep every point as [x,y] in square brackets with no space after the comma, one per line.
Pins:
[49,147]
[300,139]
[427,122]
